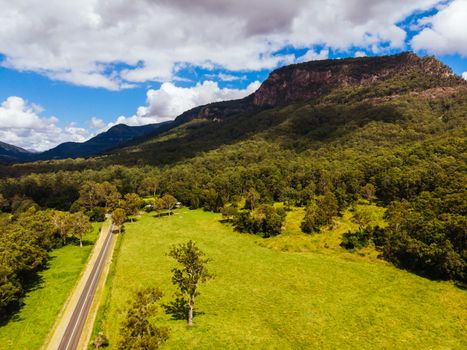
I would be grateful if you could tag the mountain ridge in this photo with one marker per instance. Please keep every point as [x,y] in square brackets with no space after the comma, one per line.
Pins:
[307,80]
[377,77]
[117,136]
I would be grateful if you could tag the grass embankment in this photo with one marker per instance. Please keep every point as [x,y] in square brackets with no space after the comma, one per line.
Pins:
[30,326]
[267,299]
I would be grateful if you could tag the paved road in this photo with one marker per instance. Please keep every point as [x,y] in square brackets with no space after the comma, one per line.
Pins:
[74,329]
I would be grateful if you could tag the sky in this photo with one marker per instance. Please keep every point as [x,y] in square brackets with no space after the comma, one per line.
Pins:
[71,69]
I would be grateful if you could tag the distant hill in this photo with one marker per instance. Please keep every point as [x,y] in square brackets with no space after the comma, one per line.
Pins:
[117,136]
[10,153]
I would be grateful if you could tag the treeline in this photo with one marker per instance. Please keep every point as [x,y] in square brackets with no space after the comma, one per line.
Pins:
[25,240]
[427,235]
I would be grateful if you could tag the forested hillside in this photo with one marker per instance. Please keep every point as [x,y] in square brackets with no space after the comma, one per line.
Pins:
[391,130]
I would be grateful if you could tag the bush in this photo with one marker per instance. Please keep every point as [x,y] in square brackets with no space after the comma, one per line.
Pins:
[265,221]
[356,240]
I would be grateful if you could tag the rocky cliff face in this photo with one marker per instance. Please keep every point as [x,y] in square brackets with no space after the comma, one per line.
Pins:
[304,81]
[312,79]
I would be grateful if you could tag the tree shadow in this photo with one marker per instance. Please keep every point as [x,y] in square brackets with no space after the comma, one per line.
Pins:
[178,308]
[75,241]
[30,283]
[163,214]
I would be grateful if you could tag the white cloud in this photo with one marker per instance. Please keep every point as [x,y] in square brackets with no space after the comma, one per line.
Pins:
[96,123]
[360,54]
[312,55]
[85,42]
[446,32]
[169,101]
[229,77]
[464,75]
[21,125]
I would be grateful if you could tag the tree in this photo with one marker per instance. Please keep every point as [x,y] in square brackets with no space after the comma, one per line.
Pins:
[100,341]
[90,194]
[132,204]
[62,223]
[139,331]
[320,212]
[252,199]
[159,204]
[110,195]
[229,212]
[362,217]
[368,191]
[192,273]
[3,202]
[150,185]
[169,202]
[80,225]
[119,217]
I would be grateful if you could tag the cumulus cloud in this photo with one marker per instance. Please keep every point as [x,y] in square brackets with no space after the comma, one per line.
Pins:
[446,31]
[115,44]
[312,55]
[360,54]
[96,123]
[21,125]
[464,75]
[169,101]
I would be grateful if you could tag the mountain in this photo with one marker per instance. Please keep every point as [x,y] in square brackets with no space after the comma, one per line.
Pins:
[309,80]
[336,94]
[117,136]
[10,153]
[299,107]
[384,77]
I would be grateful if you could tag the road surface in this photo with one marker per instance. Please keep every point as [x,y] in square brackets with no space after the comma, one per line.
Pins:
[74,328]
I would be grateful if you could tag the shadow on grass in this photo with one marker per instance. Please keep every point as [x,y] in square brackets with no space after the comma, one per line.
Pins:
[178,308]
[75,241]
[31,282]
[162,215]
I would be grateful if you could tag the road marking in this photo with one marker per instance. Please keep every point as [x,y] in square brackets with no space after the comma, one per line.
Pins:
[97,269]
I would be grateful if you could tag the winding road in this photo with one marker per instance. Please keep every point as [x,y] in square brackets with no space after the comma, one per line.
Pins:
[74,329]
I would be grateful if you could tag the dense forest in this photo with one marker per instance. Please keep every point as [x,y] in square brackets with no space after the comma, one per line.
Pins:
[400,143]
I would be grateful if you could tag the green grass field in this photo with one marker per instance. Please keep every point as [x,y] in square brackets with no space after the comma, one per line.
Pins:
[264,298]
[30,326]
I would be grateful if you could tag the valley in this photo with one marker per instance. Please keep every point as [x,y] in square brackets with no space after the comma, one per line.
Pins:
[263,298]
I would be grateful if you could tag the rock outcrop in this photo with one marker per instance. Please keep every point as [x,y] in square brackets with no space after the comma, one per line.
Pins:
[304,81]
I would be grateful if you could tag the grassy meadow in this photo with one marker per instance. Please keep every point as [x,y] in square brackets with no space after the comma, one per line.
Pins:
[28,328]
[269,298]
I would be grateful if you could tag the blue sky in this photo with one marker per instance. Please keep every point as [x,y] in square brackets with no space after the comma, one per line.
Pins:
[68,70]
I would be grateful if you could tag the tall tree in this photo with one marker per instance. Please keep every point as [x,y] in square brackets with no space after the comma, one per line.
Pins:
[192,273]
[252,199]
[169,202]
[80,225]
[119,217]
[159,204]
[110,195]
[132,204]
[139,331]
[62,223]
[90,194]
[150,185]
